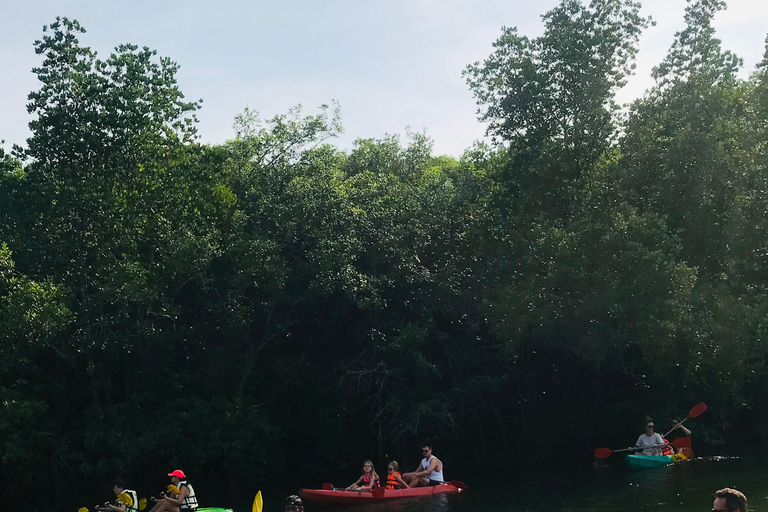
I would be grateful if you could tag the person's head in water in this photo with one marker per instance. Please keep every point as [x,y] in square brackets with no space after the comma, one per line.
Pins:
[293,504]
[729,500]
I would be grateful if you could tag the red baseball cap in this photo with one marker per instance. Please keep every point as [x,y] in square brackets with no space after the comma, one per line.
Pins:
[179,473]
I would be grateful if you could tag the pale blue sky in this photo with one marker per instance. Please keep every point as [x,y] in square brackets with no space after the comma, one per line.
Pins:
[390,64]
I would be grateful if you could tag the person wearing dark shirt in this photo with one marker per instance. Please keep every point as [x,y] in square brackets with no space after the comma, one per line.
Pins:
[678,430]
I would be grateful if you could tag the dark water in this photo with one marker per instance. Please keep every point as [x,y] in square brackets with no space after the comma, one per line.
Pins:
[688,486]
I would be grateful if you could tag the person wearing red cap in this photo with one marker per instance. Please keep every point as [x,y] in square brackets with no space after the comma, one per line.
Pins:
[185,501]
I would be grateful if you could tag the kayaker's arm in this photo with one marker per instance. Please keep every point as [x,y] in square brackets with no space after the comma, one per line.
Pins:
[112,508]
[414,473]
[679,426]
[641,449]
[180,499]
[355,484]
[431,467]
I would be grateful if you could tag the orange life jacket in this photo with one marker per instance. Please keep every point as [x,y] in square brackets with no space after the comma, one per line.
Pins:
[667,450]
[392,482]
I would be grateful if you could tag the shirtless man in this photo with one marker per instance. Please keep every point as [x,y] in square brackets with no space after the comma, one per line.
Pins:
[428,472]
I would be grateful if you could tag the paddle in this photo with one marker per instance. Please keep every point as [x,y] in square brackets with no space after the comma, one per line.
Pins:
[680,442]
[378,492]
[603,453]
[142,506]
[258,503]
[458,483]
[695,411]
[327,486]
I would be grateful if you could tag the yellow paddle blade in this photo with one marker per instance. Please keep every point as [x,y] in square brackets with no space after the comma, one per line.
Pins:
[125,499]
[142,503]
[82,509]
[258,503]
[173,489]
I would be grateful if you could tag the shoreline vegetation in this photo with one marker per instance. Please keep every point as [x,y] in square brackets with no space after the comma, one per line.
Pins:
[273,309]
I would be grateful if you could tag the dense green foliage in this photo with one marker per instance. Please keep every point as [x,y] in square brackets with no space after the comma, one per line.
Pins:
[274,308]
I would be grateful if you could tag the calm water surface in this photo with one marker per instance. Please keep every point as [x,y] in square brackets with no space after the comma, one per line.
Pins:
[687,486]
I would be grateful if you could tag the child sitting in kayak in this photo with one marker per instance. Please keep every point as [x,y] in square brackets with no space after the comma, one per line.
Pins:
[368,480]
[394,478]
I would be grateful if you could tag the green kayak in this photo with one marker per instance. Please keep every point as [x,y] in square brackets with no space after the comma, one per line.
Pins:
[648,461]
[654,461]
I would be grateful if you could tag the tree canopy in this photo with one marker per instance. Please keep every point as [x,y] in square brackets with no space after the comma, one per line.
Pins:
[277,307]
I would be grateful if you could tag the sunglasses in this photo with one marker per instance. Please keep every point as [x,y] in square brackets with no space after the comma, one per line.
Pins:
[390,469]
[649,426]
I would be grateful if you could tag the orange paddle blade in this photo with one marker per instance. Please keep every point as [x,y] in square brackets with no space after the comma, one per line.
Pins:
[697,409]
[602,453]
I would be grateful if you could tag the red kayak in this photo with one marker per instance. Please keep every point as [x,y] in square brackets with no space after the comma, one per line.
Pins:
[377,495]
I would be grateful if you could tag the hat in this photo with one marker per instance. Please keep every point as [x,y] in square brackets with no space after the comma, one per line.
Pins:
[179,473]
[294,500]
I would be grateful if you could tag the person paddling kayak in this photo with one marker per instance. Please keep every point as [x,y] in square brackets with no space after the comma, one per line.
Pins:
[678,431]
[428,472]
[650,442]
[184,501]
[127,499]
[368,480]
